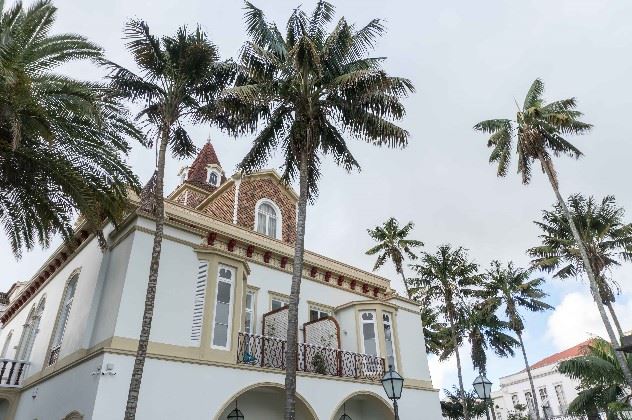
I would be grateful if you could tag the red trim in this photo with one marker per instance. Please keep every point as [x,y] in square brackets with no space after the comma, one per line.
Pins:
[210,238]
[266,257]
[375,291]
[231,245]
[365,288]
[313,271]
[341,279]
[327,276]
[352,284]
[249,251]
[283,262]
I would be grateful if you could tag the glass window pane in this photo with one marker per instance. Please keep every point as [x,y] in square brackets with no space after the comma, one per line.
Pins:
[369,347]
[368,331]
[261,223]
[272,226]
[248,323]
[249,301]
[223,292]
[367,316]
[220,336]
[221,316]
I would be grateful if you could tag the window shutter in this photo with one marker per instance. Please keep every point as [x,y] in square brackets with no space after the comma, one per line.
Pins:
[198,302]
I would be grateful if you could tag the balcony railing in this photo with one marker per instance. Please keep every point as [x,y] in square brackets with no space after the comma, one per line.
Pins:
[269,352]
[12,372]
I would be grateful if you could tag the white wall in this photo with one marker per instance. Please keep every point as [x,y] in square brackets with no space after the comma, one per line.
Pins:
[88,259]
[546,376]
[174,390]
[74,389]
[412,346]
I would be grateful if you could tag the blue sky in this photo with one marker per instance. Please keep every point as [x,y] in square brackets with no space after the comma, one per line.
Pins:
[468,60]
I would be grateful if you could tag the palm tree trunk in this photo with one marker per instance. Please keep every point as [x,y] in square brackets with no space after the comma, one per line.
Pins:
[150,297]
[406,285]
[291,355]
[594,288]
[466,411]
[528,368]
[615,319]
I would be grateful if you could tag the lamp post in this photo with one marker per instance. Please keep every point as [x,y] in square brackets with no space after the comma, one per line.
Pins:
[393,384]
[235,414]
[344,413]
[483,388]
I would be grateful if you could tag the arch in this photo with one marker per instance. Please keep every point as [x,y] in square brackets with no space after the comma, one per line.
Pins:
[73,415]
[231,401]
[376,398]
[61,319]
[279,216]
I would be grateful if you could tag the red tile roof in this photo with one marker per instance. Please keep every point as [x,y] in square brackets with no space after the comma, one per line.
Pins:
[570,353]
[197,171]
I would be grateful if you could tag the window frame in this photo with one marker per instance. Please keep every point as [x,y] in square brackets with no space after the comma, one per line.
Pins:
[27,340]
[322,309]
[278,234]
[253,311]
[231,305]
[280,297]
[391,324]
[5,347]
[375,334]
[209,172]
[57,327]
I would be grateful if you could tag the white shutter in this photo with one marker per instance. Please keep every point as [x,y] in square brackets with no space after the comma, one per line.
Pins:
[198,302]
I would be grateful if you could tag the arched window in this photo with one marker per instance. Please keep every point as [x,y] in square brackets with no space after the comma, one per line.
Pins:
[62,319]
[5,348]
[30,331]
[212,178]
[267,219]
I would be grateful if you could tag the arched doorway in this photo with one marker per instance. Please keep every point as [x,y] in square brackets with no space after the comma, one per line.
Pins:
[364,405]
[264,402]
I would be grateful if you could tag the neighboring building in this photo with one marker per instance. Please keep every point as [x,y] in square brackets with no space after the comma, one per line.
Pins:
[69,336]
[555,391]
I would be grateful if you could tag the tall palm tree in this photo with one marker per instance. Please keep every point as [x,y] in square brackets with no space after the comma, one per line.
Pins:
[602,385]
[447,279]
[435,329]
[180,77]
[510,289]
[309,88]
[393,245]
[62,140]
[607,238]
[539,130]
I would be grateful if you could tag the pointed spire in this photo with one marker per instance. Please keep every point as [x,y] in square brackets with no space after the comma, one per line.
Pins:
[206,157]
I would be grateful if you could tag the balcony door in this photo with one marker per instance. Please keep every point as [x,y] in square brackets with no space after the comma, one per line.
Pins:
[369,342]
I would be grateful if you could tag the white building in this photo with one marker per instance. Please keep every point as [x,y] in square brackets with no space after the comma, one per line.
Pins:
[554,390]
[69,336]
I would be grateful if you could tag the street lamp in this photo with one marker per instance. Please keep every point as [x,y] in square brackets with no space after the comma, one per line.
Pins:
[235,414]
[483,388]
[393,384]
[344,413]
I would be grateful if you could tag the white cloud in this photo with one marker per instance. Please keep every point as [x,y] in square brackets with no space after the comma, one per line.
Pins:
[576,319]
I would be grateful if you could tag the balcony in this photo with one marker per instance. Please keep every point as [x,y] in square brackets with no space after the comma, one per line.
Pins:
[12,372]
[269,352]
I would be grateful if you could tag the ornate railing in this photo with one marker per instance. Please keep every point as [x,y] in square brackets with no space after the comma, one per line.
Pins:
[12,372]
[269,352]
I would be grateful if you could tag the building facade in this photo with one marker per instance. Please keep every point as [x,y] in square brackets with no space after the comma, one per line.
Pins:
[69,335]
[554,390]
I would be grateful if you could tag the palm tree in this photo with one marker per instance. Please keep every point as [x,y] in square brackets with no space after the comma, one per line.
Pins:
[308,89]
[602,384]
[393,245]
[539,130]
[452,405]
[446,279]
[510,288]
[435,330]
[180,77]
[484,331]
[62,141]
[606,237]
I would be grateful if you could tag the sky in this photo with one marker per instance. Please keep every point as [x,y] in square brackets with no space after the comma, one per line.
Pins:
[469,61]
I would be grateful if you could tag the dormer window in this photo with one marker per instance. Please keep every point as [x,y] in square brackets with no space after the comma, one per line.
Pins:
[268,219]
[213,177]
